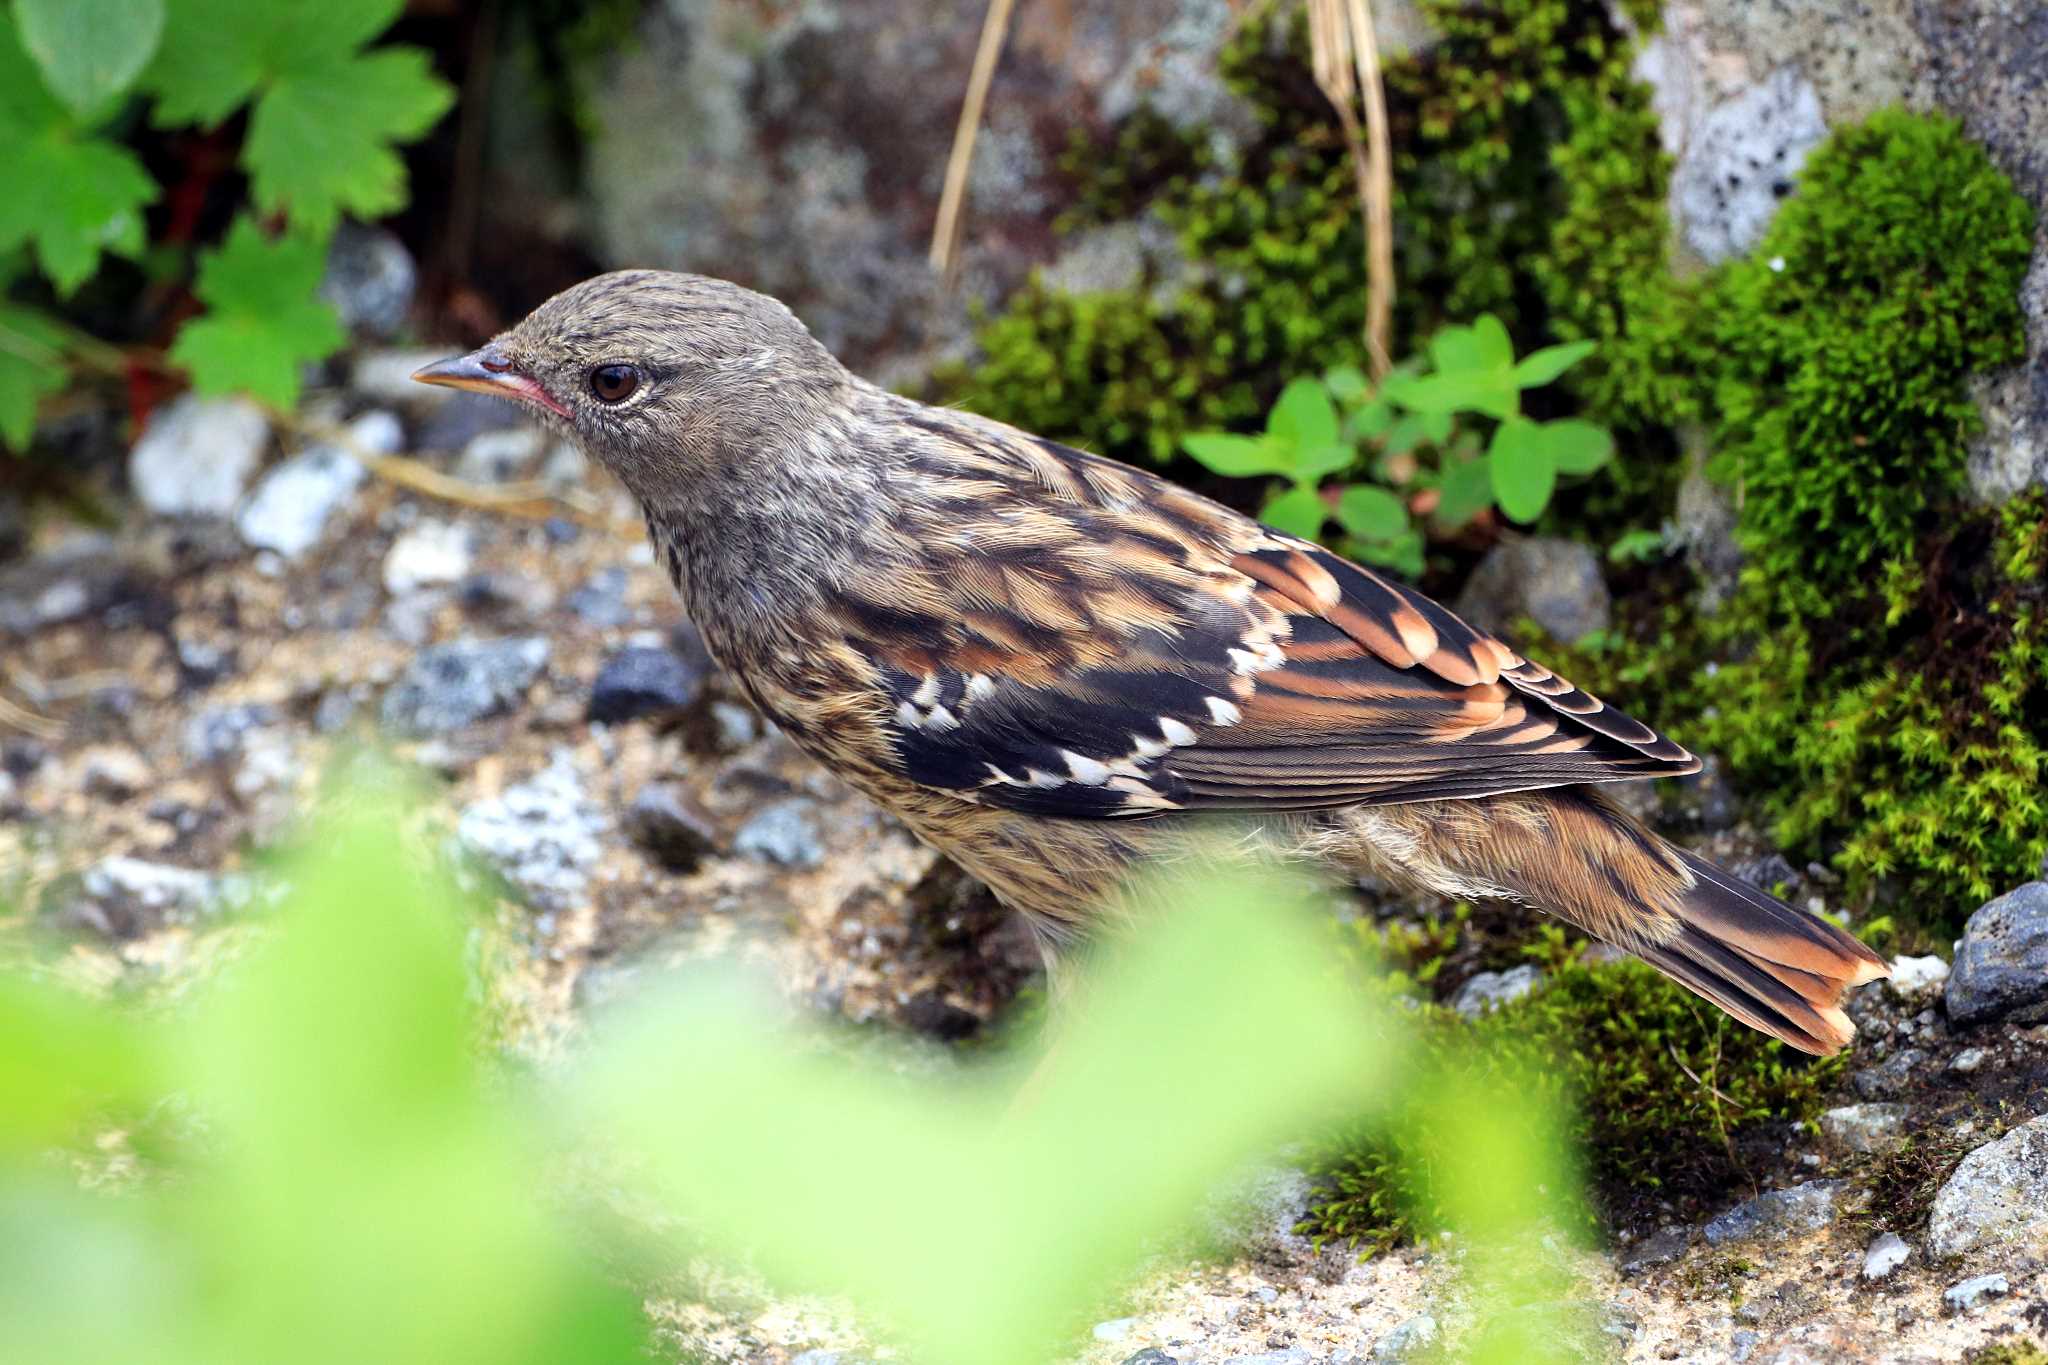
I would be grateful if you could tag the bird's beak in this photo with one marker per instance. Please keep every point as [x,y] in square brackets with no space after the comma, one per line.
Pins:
[487,370]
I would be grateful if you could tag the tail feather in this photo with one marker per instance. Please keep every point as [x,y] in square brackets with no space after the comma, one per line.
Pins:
[1773,967]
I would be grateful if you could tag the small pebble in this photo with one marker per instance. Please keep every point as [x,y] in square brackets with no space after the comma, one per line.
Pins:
[1970,1295]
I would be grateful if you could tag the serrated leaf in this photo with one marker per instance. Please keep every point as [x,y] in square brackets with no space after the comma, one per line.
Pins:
[1371,513]
[1577,446]
[71,199]
[89,50]
[1238,457]
[1541,367]
[31,365]
[1300,511]
[1523,470]
[1303,416]
[1466,491]
[215,54]
[320,140]
[264,319]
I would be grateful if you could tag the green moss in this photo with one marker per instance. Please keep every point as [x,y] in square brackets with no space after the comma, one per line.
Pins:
[2007,1353]
[1845,343]
[1664,1085]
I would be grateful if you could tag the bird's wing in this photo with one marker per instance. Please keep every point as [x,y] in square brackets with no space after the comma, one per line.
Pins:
[1128,648]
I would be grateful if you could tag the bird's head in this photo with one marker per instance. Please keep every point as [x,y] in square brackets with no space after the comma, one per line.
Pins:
[664,378]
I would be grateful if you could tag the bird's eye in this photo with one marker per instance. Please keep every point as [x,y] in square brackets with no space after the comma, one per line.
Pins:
[614,383]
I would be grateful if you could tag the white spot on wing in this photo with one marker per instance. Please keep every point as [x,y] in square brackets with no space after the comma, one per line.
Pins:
[1147,748]
[1224,712]
[1175,732]
[979,685]
[1085,770]
[927,691]
[940,719]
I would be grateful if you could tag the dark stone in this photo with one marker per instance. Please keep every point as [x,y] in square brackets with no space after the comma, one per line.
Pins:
[930,1013]
[461,417]
[1891,1077]
[643,680]
[1768,873]
[2001,965]
[1778,1214]
[1151,1355]
[1661,1247]
[601,601]
[786,834]
[216,735]
[1556,583]
[671,827]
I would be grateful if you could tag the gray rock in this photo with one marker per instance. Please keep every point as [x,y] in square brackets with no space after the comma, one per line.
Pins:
[1779,1214]
[1969,1061]
[430,553]
[217,734]
[289,511]
[1661,1247]
[384,376]
[197,455]
[2001,966]
[669,826]
[1407,1341]
[1969,1296]
[500,456]
[1704,527]
[1998,1194]
[1488,991]
[785,833]
[1742,161]
[449,686]
[124,898]
[78,578]
[370,279]
[802,149]
[1885,1255]
[601,601]
[1889,1077]
[1151,1355]
[1863,1127]
[543,835]
[1555,582]
[643,680]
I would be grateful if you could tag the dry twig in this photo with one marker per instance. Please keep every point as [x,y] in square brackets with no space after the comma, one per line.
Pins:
[1346,58]
[995,26]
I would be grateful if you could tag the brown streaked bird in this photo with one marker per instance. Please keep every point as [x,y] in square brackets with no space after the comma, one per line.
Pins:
[1053,667]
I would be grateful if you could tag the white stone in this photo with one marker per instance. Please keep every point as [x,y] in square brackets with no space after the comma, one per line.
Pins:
[197,455]
[429,554]
[1885,1255]
[1741,161]
[1913,976]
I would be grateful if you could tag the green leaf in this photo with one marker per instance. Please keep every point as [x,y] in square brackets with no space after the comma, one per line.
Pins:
[1541,367]
[217,54]
[89,50]
[31,365]
[1300,511]
[320,141]
[1490,337]
[1347,383]
[1238,457]
[67,196]
[1315,463]
[1524,470]
[1406,434]
[1466,491]
[1635,546]
[1487,391]
[1371,513]
[1578,447]
[71,198]
[1436,426]
[264,319]
[1303,416]
[1403,553]
[1370,419]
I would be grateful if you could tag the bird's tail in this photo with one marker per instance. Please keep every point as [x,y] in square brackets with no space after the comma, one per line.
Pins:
[1773,967]
[1571,851]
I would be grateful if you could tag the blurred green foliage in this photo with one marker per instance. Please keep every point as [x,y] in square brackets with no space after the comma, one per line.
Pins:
[312,1156]
[323,114]
[1418,430]
[1655,1084]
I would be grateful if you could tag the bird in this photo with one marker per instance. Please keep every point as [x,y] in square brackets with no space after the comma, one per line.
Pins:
[1056,669]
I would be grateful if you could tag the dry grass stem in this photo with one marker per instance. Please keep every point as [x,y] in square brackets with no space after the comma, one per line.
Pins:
[995,26]
[1345,54]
